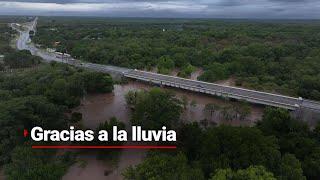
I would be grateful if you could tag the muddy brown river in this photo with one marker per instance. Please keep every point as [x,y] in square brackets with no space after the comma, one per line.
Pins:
[101,107]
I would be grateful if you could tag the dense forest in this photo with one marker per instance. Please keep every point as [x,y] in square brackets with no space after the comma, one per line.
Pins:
[277,147]
[40,96]
[274,56]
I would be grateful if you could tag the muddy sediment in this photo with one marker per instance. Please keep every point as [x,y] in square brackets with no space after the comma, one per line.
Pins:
[98,108]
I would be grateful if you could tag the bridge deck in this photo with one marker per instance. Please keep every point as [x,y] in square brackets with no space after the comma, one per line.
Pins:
[227,91]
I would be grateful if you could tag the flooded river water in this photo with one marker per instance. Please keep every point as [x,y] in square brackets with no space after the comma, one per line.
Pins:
[101,107]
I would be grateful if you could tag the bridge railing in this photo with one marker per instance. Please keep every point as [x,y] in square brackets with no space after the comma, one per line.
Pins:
[214,91]
[217,85]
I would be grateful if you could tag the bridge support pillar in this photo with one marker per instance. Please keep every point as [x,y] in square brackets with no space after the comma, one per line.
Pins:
[307,115]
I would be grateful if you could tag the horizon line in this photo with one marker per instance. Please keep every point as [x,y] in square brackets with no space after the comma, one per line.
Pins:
[159,17]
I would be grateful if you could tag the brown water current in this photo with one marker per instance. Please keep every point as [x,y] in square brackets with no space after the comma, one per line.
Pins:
[98,108]
[2,173]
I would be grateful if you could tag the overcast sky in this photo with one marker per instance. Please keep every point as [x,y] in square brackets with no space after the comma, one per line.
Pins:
[267,9]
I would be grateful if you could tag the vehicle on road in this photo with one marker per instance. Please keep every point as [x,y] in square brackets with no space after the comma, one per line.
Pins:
[200,86]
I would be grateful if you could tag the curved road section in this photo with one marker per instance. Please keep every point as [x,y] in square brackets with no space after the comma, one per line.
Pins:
[258,97]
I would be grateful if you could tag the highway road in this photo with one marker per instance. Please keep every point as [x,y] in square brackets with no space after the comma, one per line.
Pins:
[252,96]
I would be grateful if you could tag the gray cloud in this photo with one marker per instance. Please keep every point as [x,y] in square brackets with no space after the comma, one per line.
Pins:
[221,2]
[83,1]
[167,8]
[48,1]
[290,1]
[230,3]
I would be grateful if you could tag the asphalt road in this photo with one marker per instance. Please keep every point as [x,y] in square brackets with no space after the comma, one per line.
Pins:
[228,91]
[258,97]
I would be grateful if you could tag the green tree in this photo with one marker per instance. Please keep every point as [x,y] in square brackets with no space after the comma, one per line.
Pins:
[237,148]
[251,173]
[186,71]
[294,137]
[20,59]
[316,130]
[132,98]
[210,109]
[214,72]
[278,122]
[311,164]
[165,64]
[190,138]
[193,103]
[30,164]
[163,166]
[242,110]
[98,82]
[58,91]
[185,101]
[228,112]
[290,168]
[157,108]
[76,117]
[108,126]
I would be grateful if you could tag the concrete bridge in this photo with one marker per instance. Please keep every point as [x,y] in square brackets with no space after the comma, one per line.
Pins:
[252,96]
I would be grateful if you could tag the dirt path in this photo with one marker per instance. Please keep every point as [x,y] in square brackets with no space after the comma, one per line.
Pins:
[227,82]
